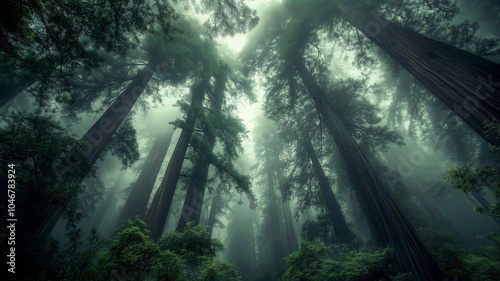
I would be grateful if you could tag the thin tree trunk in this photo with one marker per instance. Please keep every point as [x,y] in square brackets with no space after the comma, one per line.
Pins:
[468,84]
[80,160]
[162,201]
[342,231]
[213,210]
[431,208]
[484,203]
[253,257]
[9,90]
[276,238]
[386,222]
[137,201]
[99,215]
[8,96]
[291,238]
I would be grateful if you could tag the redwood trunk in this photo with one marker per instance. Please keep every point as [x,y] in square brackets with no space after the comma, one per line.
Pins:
[137,201]
[387,224]
[98,136]
[484,203]
[160,207]
[342,231]
[431,208]
[193,203]
[9,90]
[80,160]
[291,238]
[468,84]
[213,210]
[276,238]
[105,206]
[191,210]
[253,256]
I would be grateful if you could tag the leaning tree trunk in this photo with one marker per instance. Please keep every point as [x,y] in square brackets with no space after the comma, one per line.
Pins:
[276,238]
[99,215]
[160,207]
[431,209]
[468,84]
[291,238]
[9,90]
[342,231]
[483,203]
[213,209]
[387,224]
[8,95]
[80,160]
[137,201]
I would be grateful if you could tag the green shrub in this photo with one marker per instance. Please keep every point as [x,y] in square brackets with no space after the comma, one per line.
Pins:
[219,271]
[313,261]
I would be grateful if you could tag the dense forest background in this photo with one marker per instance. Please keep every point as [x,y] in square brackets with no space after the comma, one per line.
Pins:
[250,140]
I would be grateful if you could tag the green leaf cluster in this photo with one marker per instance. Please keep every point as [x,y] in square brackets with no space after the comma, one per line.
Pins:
[219,270]
[187,255]
[195,244]
[466,264]
[132,255]
[476,177]
[35,145]
[124,144]
[315,261]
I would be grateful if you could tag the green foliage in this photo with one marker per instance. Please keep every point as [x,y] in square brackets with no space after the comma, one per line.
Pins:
[132,255]
[130,232]
[57,40]
[314,261]
[80,255]
[195,244]
[227,17]
[218,123]
[170,266]
[132,250]
[473,177]
[483,267]
[124,145]
[177,256]
[321,229]
[219,270]
[464,264]
[36,145]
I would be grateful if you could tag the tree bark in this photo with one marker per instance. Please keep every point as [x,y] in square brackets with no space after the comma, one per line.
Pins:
[213,210]
[484,203]
[291,238]
[193,203]
[275,223]
[162,201]
[80,160]
[191,209]
[431,208]
[386,222]
[137,201]
[253,256]
[99,215]
[9,90]
[467,84]
[342,231]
